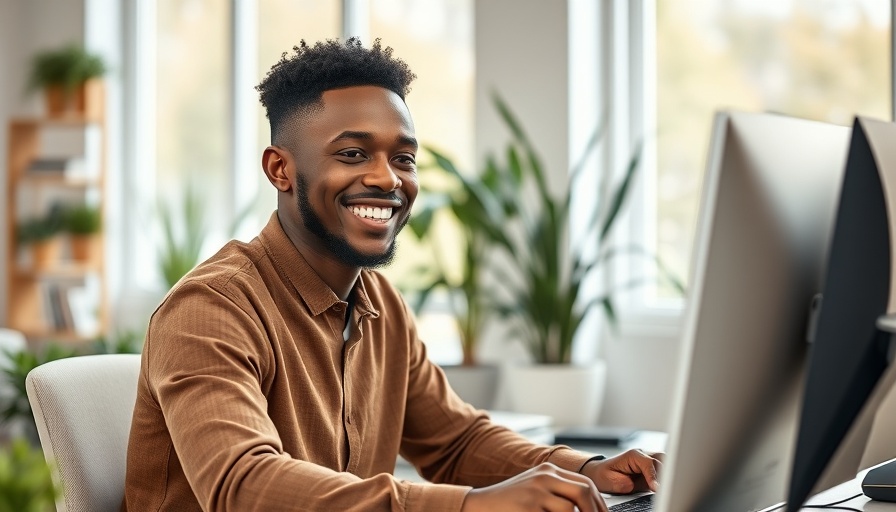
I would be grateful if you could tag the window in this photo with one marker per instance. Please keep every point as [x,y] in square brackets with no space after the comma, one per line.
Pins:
[197,119]
[825,61]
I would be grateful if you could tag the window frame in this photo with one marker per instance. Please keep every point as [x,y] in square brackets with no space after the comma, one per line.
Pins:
[631,65]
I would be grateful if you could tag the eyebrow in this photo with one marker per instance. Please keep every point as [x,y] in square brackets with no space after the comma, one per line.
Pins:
[357,135]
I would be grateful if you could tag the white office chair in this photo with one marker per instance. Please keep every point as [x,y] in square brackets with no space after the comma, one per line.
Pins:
[83,408]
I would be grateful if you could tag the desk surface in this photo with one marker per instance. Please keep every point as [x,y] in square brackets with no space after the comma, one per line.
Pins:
[655,441]
[848,489]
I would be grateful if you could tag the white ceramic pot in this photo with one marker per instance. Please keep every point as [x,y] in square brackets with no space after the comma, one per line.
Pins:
[476,384]
[571,394]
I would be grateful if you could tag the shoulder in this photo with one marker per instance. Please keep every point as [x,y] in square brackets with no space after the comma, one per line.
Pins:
[383,294]
[235,269]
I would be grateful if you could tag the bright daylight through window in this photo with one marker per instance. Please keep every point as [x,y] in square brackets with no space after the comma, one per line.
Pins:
[195,56]
[822,60]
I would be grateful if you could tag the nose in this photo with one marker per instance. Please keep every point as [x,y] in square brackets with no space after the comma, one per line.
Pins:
[382,176]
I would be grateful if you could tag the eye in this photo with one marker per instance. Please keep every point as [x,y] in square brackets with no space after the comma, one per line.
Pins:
[353,155]
[406,159]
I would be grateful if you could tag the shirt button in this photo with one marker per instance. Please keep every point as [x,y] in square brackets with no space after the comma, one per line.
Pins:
[348,418]
[337,308]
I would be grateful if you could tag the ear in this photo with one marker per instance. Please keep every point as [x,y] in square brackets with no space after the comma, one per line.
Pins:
[274,162]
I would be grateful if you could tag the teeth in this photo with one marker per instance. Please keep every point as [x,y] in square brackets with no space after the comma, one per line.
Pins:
[372,212]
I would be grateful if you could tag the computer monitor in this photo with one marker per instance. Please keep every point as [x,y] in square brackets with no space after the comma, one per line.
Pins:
[850,352]
[769,201]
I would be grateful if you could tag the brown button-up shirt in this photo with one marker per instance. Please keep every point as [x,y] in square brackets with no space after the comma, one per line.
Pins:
[250,399]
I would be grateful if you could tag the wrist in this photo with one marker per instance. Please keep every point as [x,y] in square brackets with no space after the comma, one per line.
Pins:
[592,459]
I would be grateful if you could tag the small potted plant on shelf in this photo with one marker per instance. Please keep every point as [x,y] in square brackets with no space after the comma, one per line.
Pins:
[41,235]
[83,222]
[70,78]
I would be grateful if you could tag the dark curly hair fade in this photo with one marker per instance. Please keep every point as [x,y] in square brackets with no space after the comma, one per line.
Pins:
[294,85]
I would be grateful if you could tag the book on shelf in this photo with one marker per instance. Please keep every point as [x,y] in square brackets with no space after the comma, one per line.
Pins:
[71,306]
[72,167]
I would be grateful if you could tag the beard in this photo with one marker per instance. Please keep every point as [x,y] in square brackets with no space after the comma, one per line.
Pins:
[338,245]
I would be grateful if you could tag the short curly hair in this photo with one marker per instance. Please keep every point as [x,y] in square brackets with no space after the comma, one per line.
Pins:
[294,85]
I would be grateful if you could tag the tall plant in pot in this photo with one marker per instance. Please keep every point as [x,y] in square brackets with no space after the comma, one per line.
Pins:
[474,203]
[539,276]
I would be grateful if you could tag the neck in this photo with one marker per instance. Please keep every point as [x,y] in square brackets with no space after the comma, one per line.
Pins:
[338,276]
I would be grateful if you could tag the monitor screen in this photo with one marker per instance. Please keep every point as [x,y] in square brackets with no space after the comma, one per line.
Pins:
[849,353]
[769,202]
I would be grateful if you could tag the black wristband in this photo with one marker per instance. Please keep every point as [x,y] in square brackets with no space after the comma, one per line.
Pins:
[596,457]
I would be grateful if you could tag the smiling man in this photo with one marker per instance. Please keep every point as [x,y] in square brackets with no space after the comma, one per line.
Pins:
[286,374]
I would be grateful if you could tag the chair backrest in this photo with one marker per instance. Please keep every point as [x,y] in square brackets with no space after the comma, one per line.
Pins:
[83,408]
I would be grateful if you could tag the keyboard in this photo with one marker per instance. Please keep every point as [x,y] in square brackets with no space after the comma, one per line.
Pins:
[640,504]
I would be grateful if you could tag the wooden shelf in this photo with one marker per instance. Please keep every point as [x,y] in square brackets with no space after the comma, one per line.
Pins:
[57,179]
[65,270]
[34,295]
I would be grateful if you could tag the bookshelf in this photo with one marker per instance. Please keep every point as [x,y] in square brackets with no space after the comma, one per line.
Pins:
[55,290]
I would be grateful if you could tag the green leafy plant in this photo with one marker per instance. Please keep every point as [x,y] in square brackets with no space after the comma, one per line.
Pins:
[38,229]
[184,231]
[476,203]
[124,342]
[82,219]
[26,480]
[183,236]
[508,210]
[20,363]
[67,67]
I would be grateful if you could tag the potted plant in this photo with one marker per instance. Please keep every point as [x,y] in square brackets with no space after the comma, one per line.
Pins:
[537,276]
[474,203]
[41,235]
[26,480]
[69,77]
[82,222]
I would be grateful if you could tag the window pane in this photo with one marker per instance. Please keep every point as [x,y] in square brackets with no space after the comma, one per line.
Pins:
[282,24]
[822,60]
[192,106]
[435,38]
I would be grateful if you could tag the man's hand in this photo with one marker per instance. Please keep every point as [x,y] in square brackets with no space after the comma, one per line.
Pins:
[542,488]
[632,471]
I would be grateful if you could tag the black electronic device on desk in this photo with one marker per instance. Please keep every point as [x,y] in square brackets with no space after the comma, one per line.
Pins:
[595,435]
[880,483]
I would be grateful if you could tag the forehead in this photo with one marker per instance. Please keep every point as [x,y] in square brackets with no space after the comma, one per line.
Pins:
[370,109]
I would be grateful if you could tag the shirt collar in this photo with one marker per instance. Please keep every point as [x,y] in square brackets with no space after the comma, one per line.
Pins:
[304,279]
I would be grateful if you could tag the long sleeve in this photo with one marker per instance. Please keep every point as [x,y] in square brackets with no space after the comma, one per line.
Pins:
[449,441]
[208,366]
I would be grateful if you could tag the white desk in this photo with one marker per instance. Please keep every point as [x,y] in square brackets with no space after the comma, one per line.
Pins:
[655,441]
[851,488]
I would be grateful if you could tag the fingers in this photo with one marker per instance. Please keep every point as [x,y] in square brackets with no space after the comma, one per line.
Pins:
[543,488]
[632,471]
[649,466]
[571,487]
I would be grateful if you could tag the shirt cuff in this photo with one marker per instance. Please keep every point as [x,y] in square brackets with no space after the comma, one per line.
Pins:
[436,498]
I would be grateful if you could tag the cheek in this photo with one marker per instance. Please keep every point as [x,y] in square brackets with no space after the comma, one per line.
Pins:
[410,185]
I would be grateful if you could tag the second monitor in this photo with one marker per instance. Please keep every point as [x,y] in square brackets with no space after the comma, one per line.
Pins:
[769,202]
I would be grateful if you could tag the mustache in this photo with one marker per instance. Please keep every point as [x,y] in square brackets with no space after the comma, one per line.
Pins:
[391,196]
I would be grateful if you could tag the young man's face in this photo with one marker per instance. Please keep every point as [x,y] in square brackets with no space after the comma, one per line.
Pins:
[356,174]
